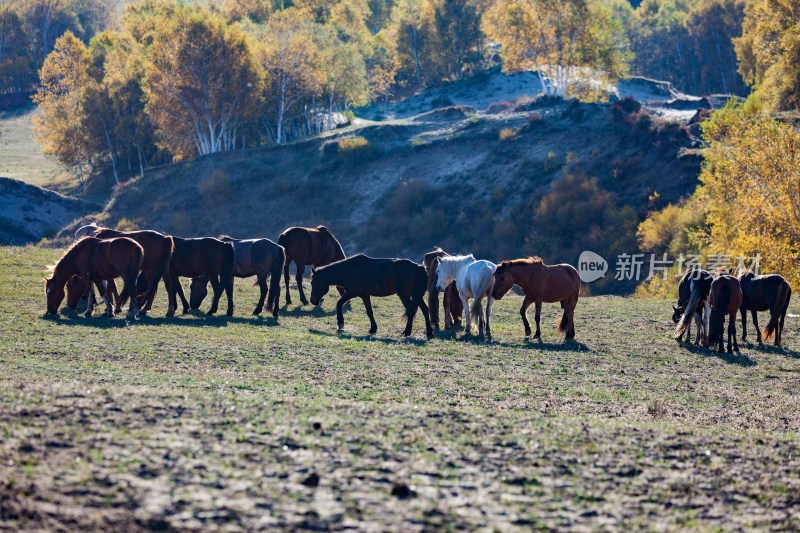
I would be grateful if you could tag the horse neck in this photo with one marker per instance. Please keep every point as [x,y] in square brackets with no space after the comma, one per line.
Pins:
[64,269]
[452,267]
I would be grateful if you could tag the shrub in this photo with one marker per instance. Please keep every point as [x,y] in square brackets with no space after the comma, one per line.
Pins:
[126,224]
[182,222]
[216,187]
[354,143]
[552,162]
[507,133]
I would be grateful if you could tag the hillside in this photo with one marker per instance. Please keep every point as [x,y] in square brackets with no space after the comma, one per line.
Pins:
[457,177]
[30,213]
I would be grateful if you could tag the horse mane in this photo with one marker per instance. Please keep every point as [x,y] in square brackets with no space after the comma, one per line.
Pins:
[530,260]
[69,252]
[226,238]
[746,274]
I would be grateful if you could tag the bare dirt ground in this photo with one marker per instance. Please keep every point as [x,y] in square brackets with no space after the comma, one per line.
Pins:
[211,423]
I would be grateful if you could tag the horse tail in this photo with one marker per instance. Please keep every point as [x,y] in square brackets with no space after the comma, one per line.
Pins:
[274,296]
[563,324]
[226,275]
[689,312]
[779,306]
[718,315]
[480,289]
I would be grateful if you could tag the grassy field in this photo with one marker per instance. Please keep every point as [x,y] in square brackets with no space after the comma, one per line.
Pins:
[243,423]
[22,158]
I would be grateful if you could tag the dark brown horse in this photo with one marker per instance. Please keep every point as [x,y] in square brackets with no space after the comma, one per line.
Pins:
[95,260]
[725,297]
[204,256]
[308,246]
[252,257]
[765,293]
[363,277]
[453,307]
[541,283]
[157,254]
[693,302]
[76,291]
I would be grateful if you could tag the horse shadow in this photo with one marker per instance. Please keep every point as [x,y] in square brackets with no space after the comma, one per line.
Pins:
[738,359]
[370,337]
[303,311]
[568,345]
[188,320]
[772,349]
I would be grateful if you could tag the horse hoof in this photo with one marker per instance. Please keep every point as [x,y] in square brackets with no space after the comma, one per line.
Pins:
[373,331]
[257,312]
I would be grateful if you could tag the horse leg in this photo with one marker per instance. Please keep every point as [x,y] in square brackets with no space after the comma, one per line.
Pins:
[538,316]
[744,324]
[262,285]
[104,294]
[228,294]
[184,302]
[426,315]
[286,279]
[523,312]
[698,325]
[755,323]
[467,314]
[489,304]
[217,286]
[90,301]
[299,279]
[411,310]
[340,310]
[732,345]
[373,326]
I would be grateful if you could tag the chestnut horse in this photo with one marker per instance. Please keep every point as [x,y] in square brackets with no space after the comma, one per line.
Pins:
[95,260]
[363,277]
[251,257]
[203,256]
[157,254]
[308,246]
[453,308]
[765,293]
[541,283]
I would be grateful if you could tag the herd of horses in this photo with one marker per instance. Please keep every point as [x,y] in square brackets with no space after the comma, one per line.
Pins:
[145,258]
[708,297]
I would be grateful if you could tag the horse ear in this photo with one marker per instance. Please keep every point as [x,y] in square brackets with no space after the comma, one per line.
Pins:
[674,308]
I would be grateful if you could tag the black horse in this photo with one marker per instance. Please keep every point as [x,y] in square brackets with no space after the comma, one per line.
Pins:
[693,302]
[765,293]
[204,256]
[252,257]
[363,277]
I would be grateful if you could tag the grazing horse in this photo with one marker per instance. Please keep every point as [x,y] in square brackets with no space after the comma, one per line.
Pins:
[251,257]
[474,279]
[76,291]
[204,256]
[726,298]
[541,283]
[308,246]
[453,308]
[158,250]
[697,283]
[765,293]
[95,260]
[684,295]
[363,277]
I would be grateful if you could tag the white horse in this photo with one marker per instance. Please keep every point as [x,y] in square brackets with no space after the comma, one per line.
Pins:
[474,279]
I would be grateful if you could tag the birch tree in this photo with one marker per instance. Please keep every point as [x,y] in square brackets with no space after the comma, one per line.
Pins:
[201,83]
[561,40]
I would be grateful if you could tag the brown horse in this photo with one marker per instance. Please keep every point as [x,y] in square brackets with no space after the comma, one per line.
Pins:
[363,277]
[765,293]
[95,260]
[541,283]
[725,298]
[308,246]
[76,291]
[204,256]
[453,307]
[252,257]
[157,254]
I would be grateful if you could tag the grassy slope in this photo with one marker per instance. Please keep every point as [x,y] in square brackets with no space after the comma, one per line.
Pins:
[475,186]
[22,158]
[213,422]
